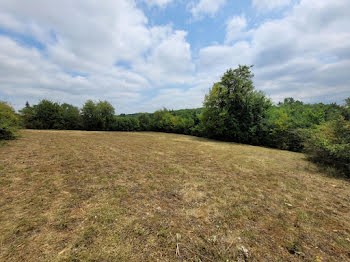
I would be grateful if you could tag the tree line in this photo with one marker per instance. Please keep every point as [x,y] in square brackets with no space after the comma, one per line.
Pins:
[233,110]
[100,116]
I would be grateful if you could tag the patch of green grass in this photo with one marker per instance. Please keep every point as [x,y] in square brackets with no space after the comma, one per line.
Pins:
[163,232]
[302,216]
[249,234]
[5,181]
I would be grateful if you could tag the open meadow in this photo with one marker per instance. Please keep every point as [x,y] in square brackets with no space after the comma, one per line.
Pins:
[113,196]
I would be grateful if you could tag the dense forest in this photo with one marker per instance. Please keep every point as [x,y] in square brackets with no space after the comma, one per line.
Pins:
[232,111]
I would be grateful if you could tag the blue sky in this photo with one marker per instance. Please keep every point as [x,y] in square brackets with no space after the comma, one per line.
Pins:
[142,55]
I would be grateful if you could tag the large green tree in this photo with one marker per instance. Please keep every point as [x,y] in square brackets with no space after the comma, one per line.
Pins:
[89,115]
[71,117]
[97,116]
[234,110]
[105,113]
[46,115]
[27,116]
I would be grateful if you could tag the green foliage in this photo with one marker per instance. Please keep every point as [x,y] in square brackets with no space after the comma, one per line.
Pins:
[105,114]
[45,115]
[329,144]
[234,111]
[162,121]
[89,115]
[332,111]
[289,121]
[9,121]
[50,115]
[180,121]
[97,116]
[346,112]
[101,116]
[122,123]
[71,118]
[27,116]
[145,122]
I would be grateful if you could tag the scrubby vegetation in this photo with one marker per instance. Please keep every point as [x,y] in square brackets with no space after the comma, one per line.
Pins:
[329,144]
[9,122]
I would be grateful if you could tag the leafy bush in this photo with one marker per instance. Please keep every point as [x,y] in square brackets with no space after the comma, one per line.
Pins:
[329,144]
[145,122]
[181,121]
[9,121]
[121,123]
[289,139]
[288,122]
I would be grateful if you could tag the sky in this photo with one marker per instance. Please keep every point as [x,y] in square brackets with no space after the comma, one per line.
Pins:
[143,55]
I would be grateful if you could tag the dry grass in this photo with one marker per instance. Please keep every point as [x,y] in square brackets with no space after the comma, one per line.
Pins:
[100,196]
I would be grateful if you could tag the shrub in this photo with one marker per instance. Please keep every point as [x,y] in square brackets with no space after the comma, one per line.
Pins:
[121,123]
[290,139]
[145,122]
[9,121]
[329,144]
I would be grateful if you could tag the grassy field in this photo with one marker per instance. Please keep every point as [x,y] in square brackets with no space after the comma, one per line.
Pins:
[109,196]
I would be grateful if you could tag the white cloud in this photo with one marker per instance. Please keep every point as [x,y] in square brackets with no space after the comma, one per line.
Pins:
[110,51]
[28,75]
[206,7]
[305,54]
[177,98]
[268,5]
[83,43]
[160,3]
[219,58]
[235,27]
[170,61]
[87,30]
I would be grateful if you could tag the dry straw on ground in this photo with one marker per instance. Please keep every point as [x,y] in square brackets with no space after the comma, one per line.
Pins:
[109,196]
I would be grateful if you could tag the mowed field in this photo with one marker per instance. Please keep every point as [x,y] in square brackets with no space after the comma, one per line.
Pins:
[111,196]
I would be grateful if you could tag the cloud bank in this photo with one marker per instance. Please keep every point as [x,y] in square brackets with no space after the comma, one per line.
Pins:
[72,51]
